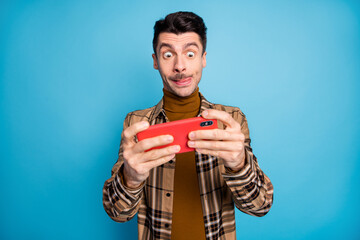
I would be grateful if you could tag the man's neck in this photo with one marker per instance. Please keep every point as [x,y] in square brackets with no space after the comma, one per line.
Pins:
[177,107]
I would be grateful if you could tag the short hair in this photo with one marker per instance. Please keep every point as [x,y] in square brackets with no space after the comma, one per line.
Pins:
[180,22]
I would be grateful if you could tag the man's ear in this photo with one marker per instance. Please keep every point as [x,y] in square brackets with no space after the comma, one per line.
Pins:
[204,59]
[156,66]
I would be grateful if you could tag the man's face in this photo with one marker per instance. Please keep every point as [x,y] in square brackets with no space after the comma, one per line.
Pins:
[180,62]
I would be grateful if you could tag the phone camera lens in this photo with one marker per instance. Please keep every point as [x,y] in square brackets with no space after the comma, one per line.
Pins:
[207,123]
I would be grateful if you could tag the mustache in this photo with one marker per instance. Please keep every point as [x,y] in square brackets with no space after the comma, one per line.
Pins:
[179,76]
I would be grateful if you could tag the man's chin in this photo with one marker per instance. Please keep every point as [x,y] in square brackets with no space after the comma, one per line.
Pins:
[184,92]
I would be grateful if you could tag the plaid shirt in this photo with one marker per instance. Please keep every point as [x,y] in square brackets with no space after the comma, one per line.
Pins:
[220,188]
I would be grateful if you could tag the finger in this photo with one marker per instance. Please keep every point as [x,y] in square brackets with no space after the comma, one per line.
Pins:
[149,143]
[160,161]
[160,153]
[221,154]
[225,155]
[230,159]
[224,117]
[130,132]
[217,145]
[217,134]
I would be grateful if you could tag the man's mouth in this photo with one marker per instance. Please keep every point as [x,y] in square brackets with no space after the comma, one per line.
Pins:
[183,81]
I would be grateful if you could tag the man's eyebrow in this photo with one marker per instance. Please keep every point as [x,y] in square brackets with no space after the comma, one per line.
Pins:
[172,47]
[191,44]
[165,45]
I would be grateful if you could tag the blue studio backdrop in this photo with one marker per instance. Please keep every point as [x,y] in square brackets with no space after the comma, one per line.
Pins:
[71,70]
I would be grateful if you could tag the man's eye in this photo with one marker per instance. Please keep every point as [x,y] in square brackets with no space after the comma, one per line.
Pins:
[190,54]
[167,55]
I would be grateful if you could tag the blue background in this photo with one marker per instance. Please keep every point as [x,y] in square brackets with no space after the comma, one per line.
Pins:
[71,70]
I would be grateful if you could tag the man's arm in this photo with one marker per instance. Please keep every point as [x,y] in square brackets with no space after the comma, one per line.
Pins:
[123,191]
[120,202]
[251,188]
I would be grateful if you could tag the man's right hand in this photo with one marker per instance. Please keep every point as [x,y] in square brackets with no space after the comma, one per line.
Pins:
[137,162]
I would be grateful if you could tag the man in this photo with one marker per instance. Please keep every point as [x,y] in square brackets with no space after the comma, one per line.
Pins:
[188,195]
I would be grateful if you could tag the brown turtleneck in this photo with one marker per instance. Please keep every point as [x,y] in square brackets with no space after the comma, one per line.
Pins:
[187,220]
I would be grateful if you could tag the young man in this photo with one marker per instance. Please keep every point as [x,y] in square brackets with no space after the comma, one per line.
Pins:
[188,195]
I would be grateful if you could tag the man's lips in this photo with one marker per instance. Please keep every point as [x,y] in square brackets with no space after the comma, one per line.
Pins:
[182,82]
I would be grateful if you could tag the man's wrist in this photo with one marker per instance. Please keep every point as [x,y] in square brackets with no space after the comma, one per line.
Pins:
[237,169]
[131,185]
[127,183]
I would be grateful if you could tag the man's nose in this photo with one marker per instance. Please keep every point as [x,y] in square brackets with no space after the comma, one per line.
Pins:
[180,64]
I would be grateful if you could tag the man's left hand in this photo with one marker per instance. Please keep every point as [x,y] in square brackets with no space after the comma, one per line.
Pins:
[227,144]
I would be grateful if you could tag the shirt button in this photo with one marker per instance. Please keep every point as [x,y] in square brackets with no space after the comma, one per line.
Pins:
[171,161]
[166,225]
[168,194]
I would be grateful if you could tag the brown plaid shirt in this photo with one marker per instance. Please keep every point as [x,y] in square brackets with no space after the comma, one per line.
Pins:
[249,189]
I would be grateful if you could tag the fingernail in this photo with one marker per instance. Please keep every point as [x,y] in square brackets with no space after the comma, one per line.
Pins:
[191,143]
[205,113]
[169,138]
[175,148]
[191,135]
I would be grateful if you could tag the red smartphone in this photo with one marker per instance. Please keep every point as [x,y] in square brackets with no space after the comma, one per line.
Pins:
[179,130]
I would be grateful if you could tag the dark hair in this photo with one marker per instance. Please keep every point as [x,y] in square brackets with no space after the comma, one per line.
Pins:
[180,22]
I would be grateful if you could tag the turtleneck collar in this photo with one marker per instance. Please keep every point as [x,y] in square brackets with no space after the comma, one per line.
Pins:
[177,107]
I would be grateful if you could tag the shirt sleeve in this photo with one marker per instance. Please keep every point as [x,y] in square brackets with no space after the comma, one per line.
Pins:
[120,202]
[252,190]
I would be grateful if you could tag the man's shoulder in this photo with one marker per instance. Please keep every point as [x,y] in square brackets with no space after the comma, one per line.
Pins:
[139,115]
[232,110]
[206,104]
[226,108]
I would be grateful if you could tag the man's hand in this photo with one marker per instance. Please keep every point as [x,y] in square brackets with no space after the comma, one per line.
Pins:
[137,162]
[227,144]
